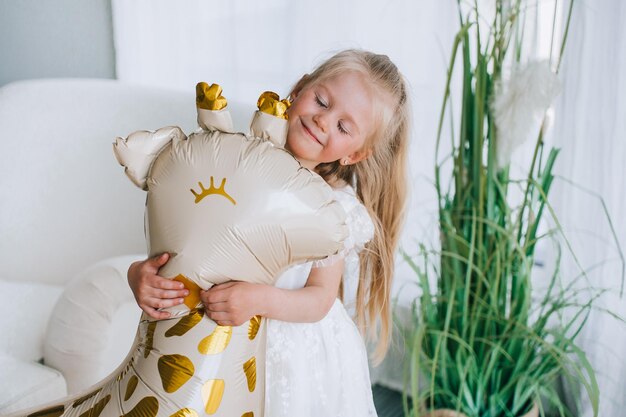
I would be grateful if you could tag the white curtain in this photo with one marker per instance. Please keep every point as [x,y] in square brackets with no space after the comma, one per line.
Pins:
[590,129]
[249,47]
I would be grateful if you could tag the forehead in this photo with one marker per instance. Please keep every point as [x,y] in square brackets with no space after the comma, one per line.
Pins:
[350,86]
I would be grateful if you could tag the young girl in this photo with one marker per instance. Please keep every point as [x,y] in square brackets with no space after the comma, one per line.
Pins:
[349,123]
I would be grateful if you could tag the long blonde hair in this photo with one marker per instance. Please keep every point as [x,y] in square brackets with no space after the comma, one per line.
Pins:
[380,182]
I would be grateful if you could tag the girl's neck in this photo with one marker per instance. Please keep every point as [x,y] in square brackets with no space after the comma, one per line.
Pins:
[337,183]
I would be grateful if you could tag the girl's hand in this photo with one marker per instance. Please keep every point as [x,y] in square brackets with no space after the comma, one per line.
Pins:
[152,291]
[233,303]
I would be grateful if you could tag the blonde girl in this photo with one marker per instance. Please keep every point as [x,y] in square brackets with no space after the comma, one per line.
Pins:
[349,122]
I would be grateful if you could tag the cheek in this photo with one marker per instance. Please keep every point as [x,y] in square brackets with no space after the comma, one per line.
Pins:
[351,145]
[339,149]
[289,137]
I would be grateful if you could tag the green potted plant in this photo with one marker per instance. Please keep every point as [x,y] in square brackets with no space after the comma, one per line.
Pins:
[483,344]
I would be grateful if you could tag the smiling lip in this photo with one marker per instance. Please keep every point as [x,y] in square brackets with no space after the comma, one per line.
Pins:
[308,131]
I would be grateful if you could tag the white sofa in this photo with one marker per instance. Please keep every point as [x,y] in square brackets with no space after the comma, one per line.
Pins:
[69,217]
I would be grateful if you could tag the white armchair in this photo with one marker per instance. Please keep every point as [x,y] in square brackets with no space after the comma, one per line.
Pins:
[68,220]
[68,213]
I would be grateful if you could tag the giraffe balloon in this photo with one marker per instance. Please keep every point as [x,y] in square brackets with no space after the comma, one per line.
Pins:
[225,205]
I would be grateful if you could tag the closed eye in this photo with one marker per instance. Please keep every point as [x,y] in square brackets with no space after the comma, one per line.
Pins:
[321,102]
[342,129]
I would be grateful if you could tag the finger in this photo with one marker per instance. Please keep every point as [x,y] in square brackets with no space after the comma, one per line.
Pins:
[219,316]
[217,307]
[222,286]
[167,287]
[147,291]
[169,294]
[238,322]
[156,303]
[217,296]
[159,260]
[158,282]
[154,313]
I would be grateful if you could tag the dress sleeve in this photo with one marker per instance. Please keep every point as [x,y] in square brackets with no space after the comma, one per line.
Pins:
[360,226]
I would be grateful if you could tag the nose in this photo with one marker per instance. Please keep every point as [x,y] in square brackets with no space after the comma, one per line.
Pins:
[321,122]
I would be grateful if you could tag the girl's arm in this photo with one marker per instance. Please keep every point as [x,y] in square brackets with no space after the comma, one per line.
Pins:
[152,291]
[233,303]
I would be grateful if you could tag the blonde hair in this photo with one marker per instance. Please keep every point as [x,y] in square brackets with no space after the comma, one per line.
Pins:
[380,182]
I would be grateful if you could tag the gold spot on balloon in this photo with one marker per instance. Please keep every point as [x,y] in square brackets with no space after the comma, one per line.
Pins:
[248,414]
[193,299]
[85,398]
[249,368]
[175,371]
[253,327]
[49,412]
[186,323]
[185,412]
[212,392]
[130,388]
[217,341]
[147,407]
[97,409]
[149,340]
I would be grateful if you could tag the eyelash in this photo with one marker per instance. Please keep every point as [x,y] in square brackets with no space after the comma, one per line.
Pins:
[321,103]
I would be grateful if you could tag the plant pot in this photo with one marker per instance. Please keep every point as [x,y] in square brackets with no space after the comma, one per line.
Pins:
[444,412]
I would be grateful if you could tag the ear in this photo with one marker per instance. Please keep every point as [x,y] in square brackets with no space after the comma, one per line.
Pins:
[357,156]
[298,87]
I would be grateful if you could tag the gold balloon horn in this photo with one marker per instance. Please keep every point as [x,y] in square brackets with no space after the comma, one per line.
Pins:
[269,102]
[210,97]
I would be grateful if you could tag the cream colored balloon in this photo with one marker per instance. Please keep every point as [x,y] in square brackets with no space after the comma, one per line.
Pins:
[227,206]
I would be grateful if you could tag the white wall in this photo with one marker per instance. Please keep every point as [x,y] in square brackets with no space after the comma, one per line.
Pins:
[56,38]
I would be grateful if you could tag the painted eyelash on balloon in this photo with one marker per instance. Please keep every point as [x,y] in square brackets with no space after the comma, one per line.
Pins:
[212,190]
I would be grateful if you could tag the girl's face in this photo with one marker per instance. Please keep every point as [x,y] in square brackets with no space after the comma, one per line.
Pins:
[330,120]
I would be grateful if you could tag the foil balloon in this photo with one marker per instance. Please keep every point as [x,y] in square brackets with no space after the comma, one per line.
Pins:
[225,205]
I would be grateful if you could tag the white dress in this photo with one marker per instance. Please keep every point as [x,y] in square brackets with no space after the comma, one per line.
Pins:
[321,369]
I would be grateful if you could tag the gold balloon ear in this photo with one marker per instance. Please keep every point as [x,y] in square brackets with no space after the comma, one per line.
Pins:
[269,102]
[210,97]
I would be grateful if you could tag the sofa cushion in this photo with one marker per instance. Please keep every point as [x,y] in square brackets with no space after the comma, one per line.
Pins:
[66,201]
[27,384]
[93,325]
[24,312]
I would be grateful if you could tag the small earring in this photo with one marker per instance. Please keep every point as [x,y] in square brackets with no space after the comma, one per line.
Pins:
[344,161]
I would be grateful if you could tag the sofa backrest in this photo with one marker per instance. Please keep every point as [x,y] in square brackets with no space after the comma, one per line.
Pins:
[66,202]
